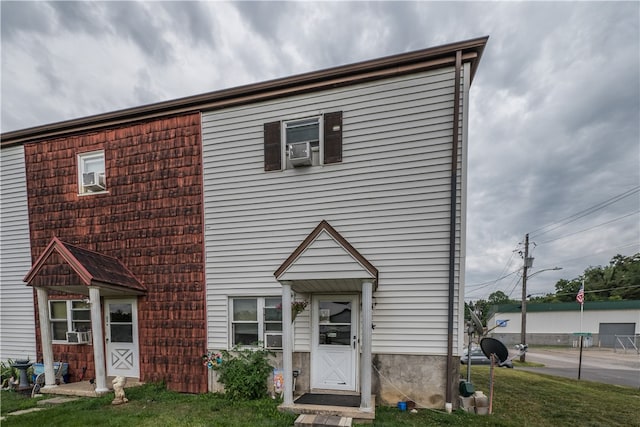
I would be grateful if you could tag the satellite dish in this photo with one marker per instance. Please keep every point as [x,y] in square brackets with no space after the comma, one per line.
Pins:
[479,329]
[491,346]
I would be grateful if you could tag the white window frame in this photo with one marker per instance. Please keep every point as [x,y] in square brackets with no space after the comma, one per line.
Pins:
[261,322]
[292,122]
[70,321]
[83,158]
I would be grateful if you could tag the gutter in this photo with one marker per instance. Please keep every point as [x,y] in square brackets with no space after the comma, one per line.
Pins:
[452,232]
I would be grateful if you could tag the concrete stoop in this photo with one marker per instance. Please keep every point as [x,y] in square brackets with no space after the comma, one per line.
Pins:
[318,420]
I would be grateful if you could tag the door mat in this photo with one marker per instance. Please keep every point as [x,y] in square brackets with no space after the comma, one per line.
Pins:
[347,400]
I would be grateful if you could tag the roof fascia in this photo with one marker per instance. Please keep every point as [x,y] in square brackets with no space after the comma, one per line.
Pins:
[389,66]
[59,247]
[325,226]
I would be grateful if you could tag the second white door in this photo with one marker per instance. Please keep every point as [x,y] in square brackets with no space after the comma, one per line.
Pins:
[334,362]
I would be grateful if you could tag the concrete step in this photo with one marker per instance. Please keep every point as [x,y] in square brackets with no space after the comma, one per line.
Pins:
[317,420]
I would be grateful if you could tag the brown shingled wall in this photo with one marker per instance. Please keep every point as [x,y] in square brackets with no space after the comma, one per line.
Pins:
[150,219]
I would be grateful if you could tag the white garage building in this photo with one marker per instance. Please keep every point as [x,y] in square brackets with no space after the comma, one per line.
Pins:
[613,324]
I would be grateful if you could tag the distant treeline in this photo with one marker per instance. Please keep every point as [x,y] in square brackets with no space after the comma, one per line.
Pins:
[618,281]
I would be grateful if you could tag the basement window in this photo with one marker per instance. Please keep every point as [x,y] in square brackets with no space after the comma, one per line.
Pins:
[91,173]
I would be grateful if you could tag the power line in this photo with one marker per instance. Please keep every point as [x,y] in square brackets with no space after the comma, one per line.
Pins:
[583,213]
[590,228]
[600,252]
[595,291]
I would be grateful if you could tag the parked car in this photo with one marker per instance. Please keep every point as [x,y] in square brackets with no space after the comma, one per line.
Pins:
[478,358]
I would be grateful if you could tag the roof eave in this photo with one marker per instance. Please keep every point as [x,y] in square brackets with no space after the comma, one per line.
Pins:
[403,63]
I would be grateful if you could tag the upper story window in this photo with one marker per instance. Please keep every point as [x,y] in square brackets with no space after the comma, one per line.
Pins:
[68,316]
[302,142]
[91,172]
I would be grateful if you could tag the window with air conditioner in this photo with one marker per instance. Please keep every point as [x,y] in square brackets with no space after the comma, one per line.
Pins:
[91,172]
[256,321]
[303,142]
[70,321]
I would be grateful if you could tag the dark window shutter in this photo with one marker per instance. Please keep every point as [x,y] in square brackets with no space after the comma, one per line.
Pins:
[333,137]
[272,147]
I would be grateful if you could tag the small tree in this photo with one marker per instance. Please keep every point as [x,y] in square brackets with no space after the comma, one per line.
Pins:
[244,372]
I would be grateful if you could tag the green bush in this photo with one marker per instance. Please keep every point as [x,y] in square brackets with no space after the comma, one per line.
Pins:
[244,372]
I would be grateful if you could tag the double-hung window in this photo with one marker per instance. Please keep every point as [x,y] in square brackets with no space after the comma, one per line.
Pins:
[256,320]
[66,316]
[303,141]
[91,172]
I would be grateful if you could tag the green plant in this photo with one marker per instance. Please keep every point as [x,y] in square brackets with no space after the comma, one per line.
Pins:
[7,371]
[244,372]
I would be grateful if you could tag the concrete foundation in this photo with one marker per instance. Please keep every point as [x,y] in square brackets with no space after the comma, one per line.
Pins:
[395,378]
[420,378]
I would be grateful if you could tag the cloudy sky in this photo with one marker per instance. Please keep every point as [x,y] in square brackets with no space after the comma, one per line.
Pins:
[554,146]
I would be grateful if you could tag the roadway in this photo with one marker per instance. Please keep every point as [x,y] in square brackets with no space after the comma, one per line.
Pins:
[598,364]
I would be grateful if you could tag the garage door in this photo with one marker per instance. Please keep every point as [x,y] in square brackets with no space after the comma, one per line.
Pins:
[608,331]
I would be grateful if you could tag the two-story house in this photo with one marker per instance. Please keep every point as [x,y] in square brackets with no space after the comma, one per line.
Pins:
[161,232]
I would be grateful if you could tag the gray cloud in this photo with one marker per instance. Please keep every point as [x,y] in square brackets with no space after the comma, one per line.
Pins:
[23,17]
[555,106]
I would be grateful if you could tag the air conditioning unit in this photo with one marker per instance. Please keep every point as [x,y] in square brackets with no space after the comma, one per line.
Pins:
[74,337]
[300,153]
[93,181]
[273,340]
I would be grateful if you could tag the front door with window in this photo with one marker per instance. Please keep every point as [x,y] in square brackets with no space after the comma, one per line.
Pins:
[121,335]
[334,362]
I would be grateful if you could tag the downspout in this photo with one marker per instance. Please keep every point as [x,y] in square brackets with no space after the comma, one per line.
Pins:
[452,230]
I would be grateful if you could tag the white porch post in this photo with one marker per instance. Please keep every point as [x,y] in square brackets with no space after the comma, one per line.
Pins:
[367,333]
[98,342]
[287,344]
[45,337]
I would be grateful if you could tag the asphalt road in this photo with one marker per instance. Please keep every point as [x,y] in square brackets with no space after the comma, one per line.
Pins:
[600,365]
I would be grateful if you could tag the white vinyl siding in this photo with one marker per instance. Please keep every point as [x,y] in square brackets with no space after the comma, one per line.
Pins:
[389,198]
[325,258]
[17,336]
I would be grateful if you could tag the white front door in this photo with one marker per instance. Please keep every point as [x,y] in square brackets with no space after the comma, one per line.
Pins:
[334,362]
[121,335]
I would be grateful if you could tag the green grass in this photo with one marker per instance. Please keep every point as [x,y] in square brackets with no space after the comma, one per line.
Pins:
[521,399]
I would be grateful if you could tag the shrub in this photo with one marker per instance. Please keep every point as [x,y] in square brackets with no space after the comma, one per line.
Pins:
[244,372]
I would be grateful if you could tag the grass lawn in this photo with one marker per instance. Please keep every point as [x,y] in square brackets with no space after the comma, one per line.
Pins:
[521,399]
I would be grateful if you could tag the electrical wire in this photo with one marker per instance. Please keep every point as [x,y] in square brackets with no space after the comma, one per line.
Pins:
[574,217]
[600,252]
[590,228]
[595,291]
[491,282]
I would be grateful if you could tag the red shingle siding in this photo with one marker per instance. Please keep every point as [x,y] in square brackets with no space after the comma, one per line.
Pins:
[150,219]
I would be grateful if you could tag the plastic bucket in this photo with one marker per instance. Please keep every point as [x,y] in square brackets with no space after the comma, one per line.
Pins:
[402,406]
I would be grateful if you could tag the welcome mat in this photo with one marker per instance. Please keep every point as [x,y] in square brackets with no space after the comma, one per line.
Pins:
[347,400]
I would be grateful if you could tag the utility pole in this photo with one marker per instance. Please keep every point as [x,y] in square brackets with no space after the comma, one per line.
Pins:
[527,264]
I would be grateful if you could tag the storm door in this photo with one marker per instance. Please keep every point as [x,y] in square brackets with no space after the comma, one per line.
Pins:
[121,335]
[334,362]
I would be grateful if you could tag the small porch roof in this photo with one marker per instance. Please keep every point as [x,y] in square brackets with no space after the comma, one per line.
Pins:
[326,262]
[107,273]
